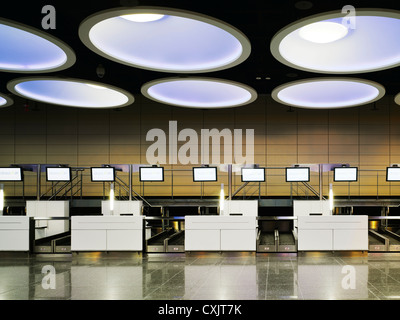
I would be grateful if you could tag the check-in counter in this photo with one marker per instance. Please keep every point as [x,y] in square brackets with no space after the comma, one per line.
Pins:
[48,209]
[14,233]
[332,233]
[106,233]
[220,233]
[122,207]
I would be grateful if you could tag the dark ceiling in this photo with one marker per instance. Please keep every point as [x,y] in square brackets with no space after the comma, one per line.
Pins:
[259,20]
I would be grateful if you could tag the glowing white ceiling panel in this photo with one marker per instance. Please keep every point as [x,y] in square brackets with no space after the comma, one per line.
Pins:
[164,39]
[328,43]
[328,93]
[28,50]
[204,93]
[397,99]
[5,101]
[70,92]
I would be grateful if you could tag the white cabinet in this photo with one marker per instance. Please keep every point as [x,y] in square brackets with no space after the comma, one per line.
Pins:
[107,233]
[319,233]
[241,207]
[122,207]
[48,209]
[14,233]
[220,233]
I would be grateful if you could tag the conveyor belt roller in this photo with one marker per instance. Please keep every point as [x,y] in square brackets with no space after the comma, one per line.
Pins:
[176,242]
[157,243]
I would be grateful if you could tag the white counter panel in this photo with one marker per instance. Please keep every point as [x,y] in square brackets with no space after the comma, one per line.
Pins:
[238,240]
[122,207]
[14,233]
[315,239]
[339,232]
[356,239]
[220,233]
[107,233]
[88,240]
[125,240]
[333,222]
[202,240]
[48,209]
[107,222]
[220,222]
[244,207]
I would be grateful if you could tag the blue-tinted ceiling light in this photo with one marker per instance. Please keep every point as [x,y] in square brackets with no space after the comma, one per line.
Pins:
[327,43]
[164,39]
[28,50]
[5,101]
[197,92]
[70,92]
[328,93]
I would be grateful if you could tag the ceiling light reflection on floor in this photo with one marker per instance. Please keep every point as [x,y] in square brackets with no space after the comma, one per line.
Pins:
[70,92]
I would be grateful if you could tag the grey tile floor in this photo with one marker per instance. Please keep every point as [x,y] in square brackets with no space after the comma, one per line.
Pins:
[211,276]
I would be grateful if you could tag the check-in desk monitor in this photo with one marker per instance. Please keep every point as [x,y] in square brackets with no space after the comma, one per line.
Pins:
[151,174]
[102,174]
[11,174]
[298,174]
[345,174]
[253,175]
[58,174]
[204,174]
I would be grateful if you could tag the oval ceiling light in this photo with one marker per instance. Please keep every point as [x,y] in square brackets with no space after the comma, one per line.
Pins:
[196,92]
[164,39]
[70,92]
[328,93]
[27,50]
[323,32]
[332,43]
[397,99]
[5,101]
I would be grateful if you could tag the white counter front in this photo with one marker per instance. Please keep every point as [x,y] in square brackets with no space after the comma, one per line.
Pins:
[48,209]
[107,233]
[14,233]
[220,233]
[338,232]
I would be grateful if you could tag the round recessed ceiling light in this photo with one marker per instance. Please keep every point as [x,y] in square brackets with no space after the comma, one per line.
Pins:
[323,32]
[204,93]
[70,92]
[5,101]
[337,43]
[142,17]
[28,50]
[328,93]
[164,39]
[397,99]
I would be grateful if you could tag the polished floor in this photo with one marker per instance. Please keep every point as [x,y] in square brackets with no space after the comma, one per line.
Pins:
[211,276]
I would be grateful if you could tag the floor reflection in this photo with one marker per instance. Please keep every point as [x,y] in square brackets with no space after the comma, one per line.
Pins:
[201,277]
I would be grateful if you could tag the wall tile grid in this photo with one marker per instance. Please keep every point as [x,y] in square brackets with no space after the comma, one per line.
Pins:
[367,137]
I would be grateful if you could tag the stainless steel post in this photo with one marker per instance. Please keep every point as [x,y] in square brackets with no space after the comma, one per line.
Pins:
[130,182]
[230,181]
[38,182]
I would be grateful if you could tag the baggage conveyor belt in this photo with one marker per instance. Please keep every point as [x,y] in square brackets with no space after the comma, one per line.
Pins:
[176,242]
[58,243]
[268,241]
[383,240]
[157,242]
